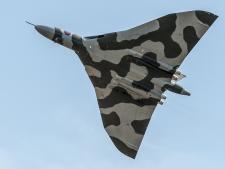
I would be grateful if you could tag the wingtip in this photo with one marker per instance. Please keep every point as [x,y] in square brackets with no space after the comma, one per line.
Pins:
[123,148]
[206,17]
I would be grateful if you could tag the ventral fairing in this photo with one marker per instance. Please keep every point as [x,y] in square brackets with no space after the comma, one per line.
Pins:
[130,70]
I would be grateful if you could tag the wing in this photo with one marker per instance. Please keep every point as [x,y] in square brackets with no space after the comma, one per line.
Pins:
[125,69]
[126,102]
[168,39]
[126,119]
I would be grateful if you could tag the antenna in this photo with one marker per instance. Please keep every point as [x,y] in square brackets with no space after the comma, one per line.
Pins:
[30,23]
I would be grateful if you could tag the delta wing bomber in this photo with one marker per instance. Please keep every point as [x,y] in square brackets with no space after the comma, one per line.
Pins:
[130,70]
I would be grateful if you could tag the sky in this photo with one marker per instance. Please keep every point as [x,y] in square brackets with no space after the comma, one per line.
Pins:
[49,117]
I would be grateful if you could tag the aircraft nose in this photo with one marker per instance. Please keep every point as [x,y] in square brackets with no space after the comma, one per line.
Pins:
[46,31]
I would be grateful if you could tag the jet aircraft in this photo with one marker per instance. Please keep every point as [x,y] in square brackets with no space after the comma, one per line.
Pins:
[130,70]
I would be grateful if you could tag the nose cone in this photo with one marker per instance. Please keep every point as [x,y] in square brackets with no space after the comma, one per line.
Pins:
[45,31]
[185,92]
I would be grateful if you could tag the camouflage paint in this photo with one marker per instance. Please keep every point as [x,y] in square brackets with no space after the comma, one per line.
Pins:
[130,70]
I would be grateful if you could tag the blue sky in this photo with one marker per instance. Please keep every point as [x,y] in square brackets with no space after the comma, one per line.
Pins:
[49,118]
